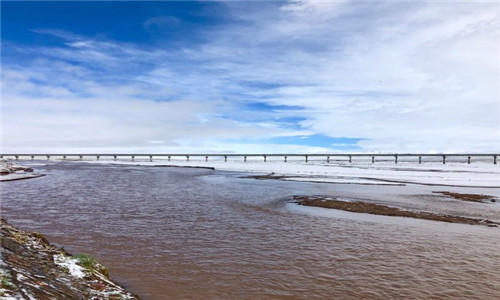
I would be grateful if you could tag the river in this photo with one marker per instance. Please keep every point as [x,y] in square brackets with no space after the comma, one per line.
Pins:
[185,233]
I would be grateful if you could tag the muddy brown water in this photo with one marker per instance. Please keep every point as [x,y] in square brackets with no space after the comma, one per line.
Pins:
[174,233]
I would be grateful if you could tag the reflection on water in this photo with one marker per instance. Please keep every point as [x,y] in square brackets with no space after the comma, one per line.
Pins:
[190,233]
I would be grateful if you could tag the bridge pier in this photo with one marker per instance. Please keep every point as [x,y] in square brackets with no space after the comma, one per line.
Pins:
[330,158]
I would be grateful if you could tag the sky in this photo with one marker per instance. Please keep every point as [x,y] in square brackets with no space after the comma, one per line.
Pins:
[250,77]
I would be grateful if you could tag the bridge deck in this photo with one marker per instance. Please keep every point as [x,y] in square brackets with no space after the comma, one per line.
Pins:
[348,156]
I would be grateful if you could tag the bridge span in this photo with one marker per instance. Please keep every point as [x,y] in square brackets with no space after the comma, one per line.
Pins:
[347,157]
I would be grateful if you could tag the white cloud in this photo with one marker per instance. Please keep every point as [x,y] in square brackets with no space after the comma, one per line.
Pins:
[406,76]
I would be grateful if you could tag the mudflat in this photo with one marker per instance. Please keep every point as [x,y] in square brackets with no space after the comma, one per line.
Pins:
[469,197]
[358,206]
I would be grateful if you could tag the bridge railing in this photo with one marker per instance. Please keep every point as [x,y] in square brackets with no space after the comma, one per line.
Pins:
[328,157]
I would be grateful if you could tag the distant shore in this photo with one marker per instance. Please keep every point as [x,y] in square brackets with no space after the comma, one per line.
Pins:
[452,174]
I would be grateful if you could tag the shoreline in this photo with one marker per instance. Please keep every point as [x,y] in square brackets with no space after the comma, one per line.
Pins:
[14,177]
[32,268]
[13,171]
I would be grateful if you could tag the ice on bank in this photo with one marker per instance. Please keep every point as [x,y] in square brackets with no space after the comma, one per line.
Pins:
[479,174]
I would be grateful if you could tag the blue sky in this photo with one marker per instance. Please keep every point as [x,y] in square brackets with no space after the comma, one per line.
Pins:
[280,76]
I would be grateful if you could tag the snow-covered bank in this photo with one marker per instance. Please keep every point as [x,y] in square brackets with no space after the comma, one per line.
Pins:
[479,174]
[11,171]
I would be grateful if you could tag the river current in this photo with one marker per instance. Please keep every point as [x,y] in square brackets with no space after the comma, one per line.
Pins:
[184,233]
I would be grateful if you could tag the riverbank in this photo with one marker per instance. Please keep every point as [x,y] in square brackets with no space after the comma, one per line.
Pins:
[32,268]
[12,171]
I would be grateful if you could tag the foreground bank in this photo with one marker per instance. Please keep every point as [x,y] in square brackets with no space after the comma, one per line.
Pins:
[32,268]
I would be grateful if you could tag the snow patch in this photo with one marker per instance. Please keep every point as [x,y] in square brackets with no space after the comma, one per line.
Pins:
[26,293]
[74,269]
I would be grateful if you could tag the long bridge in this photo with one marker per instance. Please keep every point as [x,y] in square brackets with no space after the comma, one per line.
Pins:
[327,156]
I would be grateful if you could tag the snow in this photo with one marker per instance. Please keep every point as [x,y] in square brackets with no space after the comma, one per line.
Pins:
[30,297]
[15,171]
[477,174]
[18,176]
[70,263]
[21,277]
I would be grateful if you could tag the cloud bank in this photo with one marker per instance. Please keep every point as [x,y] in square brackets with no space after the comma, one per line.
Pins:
[362,77]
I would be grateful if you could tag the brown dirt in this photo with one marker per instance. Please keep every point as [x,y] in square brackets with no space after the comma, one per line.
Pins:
[379,209]
[267,176]
[175,166]
[470,197]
